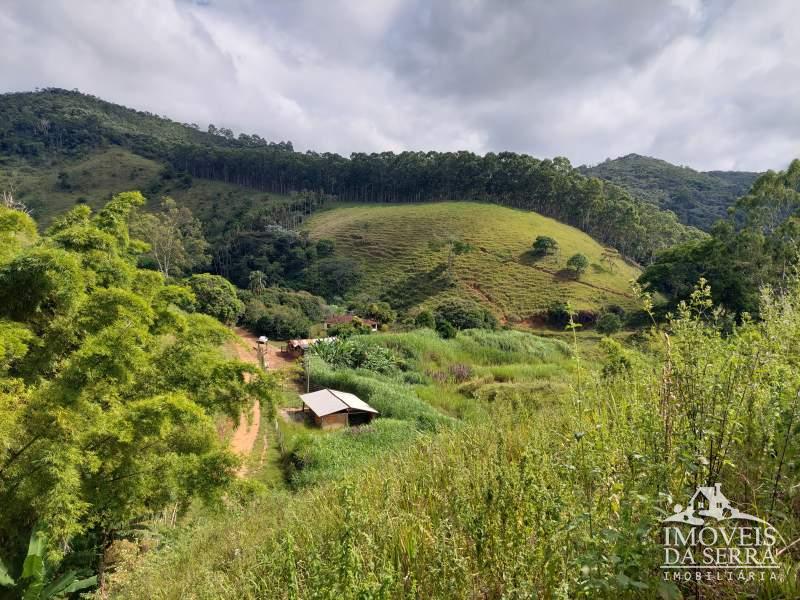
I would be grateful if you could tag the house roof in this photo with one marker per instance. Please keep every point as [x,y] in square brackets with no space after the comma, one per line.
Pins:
[326,402]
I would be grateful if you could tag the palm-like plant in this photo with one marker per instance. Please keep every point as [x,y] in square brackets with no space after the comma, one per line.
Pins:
[35,582]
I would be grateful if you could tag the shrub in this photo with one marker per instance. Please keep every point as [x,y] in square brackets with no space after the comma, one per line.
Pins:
[558,314]
[585,317]
[381,312]
[609,323]
[446,329]
[465,314]
[425,319]
[578,263]
[282,322]
[544,245]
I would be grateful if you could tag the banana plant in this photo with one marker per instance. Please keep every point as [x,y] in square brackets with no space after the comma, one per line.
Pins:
[35,583]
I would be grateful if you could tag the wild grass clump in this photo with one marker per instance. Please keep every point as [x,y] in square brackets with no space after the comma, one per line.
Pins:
[391,398]
[313,459]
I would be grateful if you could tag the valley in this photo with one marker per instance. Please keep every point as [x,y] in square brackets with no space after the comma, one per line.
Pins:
[553,356]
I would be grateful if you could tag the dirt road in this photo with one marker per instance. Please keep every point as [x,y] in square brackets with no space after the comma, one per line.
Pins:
[246,434]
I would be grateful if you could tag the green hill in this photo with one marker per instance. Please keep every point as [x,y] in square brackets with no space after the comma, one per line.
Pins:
[59,137]
[53,187]
[697,198]
[403,252]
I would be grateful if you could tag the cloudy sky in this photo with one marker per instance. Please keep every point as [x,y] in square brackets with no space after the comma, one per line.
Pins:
[713,85]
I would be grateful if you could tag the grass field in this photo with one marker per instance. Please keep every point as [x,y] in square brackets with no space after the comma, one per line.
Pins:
[403,251]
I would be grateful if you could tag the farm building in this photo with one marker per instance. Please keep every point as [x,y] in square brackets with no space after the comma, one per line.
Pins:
[332,408]
[347,319]
[299,347]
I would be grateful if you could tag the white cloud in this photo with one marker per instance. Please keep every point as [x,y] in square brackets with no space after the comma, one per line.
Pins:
[711,84]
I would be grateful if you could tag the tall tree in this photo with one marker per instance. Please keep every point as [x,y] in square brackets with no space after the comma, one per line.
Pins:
[175,237]
[108,388]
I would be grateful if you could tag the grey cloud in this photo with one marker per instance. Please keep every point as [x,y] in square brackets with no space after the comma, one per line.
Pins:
[711,84]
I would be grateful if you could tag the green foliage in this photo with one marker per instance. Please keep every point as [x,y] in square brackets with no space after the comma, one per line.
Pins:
[334,276]
[381,312]
[37,581]
[108,389]
[697,198]
[446,329]
[544,245]
[282,256]
[352,353]
[757,246]
[281,323]
[608,323]
[425,319]
[558,315]
[578,263]
[465,314]
[281,313]
[175,239]
[17,230]
[216,296]
[41,284]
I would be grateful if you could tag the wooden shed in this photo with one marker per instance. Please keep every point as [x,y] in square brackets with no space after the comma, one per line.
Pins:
[298,348]
[332,408]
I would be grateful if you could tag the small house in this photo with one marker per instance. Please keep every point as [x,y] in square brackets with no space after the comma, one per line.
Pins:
[347,319]
[332,409]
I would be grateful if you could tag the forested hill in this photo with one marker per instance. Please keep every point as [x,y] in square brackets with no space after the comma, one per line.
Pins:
[52,126]
[698,198]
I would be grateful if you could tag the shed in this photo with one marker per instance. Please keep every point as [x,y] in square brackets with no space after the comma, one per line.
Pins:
[299,347]
[332,408]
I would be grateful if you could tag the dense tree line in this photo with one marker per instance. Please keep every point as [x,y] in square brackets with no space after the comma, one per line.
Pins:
[550,187]
[71,123]
[758,245]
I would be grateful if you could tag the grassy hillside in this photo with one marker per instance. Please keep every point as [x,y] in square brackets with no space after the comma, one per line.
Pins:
[96,177]
[697,198]
[401,249]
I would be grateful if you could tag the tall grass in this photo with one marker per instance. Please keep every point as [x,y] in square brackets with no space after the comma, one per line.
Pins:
[563,500]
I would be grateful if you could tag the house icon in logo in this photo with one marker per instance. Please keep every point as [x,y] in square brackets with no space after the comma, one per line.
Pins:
[708,502]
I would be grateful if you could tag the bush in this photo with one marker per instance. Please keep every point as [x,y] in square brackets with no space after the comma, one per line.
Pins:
[609,323]
[446,329]
[558,315]
[544,245]
[578,263]
[381,312]
[216,296]
[425,319]
[282,323]
[465,314]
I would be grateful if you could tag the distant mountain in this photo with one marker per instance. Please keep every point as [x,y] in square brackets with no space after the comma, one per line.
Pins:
[698,198]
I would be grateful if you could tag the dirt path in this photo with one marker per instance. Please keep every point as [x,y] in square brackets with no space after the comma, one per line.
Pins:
[246,434]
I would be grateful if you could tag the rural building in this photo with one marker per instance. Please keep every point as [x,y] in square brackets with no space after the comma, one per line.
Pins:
[332,408]
[347,319]
[299,347]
